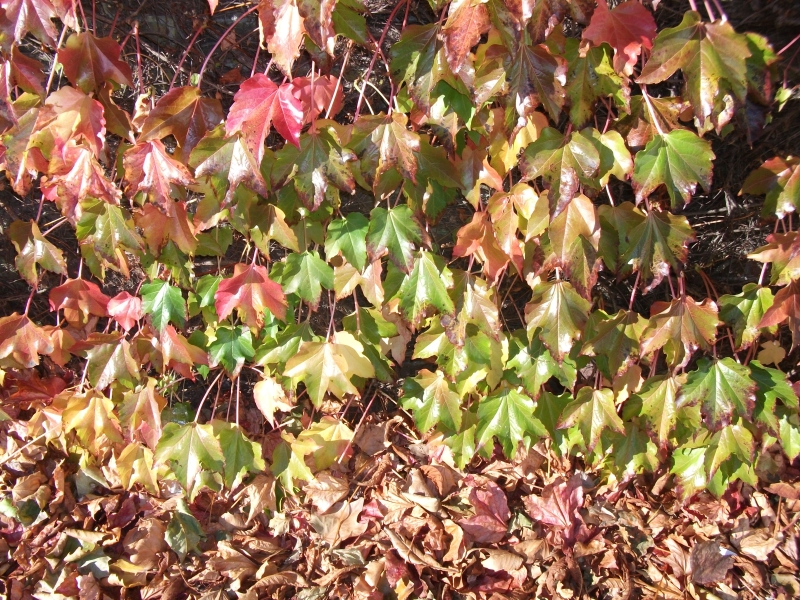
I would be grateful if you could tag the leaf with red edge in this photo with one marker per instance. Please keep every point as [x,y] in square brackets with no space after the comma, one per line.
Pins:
[141,413]
[80,299]
[260,103]
[21,342]
[536,77]
[229,159]
[26,72]
[125,310]
[22,163]
[317,18]
[327,93]
[466,22]
[34,17]
[159,227]
[489,523]
[557,508]
[250,291]
[478,238]
[281,27]
[75,174]
[785,307]
[69,114]
[627,28]
[178,354]
[680,327]
[184,114]
[149,169]
[89,62]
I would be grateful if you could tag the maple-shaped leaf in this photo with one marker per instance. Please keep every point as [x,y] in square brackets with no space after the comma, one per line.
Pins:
[558,507]
[433,400]
[572,241]
[160,226]
[394,230]
[743,312]
[418,59]
[19,159]
[227,159]
[140,412]
[184,114]
[649,117]
[318,21]
[69,114]
[327,93]
[231,347]
[125,310]
[590,76]
[425,287]
[680,327]
[535,366]
[466,22]
[188,450]
[613,340]
[732,440]
[559,314]
[783,251]
[281,27]
[535,78]
[270,397]
[564,162]
[34,17]
[74,175]
[241,455]
[80,300]
[773,384]
[658,398]
[627,28]
[720,387]
[91,416]
[89,62]
[520,209]
[257,106]
[592,412]
[33,249]
[785,307]
[178,354]
[329,366]
[655,245]
[478,238]
[474,169]
[678,160]
[348,237]
[779,179]
[507,414]
[22,341]
[711,57]
[318,166]
[164,303]
[150,170]
[107,363]
[135,465]
[330,438]
[251,292]
[305,274]
[633,453]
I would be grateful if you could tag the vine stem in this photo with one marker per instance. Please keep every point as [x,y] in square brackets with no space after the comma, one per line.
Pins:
[693,5]
[203,399]
[355,431]
[252,9]
[139,84]
[339,80]
[710,12]
[55,62]
[633,291]
[721,10]
[375,56]
[186,53]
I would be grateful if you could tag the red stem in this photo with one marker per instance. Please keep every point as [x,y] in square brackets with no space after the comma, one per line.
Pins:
[219,41]
[185,54]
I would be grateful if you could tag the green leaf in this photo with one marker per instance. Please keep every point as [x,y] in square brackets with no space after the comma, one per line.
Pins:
[689,465]
[288,461]
[613,340]
[112,362]
[350,24]
[164,303]
[789,427]
[426,287]
[743,312]
[231,347]
[241,455]
[680,327]
[184,533]
[731,440]
[348,237]
[463,446]
[394,230]
[591,76]
[507,414]
[188,449]
[306,274]
[559,314]
[417,60]
[723,388]
[772,384]
[432,399]
[658,398]
[33,249]
[534,365]
[633,453]
[679,160]
[592,411]
[549,409]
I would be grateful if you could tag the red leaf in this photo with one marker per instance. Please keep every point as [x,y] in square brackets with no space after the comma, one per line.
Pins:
[178,354]
[466,23]
[488,525]
[69,114]
[32,16]
[260,103]
[786,307]
[324,89]
[90,61]
[158,227]
[149,169]
[478,238]
[184,114]
[79,299]
[282,29]
[22,341]
[626,28]
[26,72]
[558,507]
[250,290]
[125,309]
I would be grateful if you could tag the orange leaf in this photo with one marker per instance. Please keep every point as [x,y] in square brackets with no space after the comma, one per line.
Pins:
[250,290]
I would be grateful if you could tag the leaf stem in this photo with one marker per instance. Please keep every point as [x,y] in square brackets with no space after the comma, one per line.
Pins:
[55,62]
[721,10]
[219,42]
[693,5]
[339,80]
[710,12]
[186,53]
[633,291]
[203,399]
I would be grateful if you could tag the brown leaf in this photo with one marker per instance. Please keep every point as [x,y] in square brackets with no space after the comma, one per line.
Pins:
[340,525]
[558,507]
[710,563]
[488,525]
[467,21]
